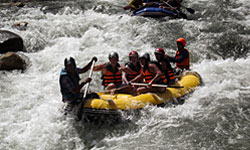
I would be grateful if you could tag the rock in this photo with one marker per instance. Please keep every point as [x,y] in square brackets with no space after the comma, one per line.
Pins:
[11,61]
[21,25]
[17,4]
[10,41]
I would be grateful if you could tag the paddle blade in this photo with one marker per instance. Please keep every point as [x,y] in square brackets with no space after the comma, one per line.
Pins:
[182,15]
[190,10]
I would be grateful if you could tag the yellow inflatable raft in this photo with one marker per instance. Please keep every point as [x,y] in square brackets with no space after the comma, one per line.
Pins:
[189,81]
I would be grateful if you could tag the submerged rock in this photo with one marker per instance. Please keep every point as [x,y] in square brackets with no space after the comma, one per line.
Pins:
[10,41]
[11,61]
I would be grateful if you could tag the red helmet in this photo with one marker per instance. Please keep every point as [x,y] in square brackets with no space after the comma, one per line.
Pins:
[181,40]
[133,53]
[160,51]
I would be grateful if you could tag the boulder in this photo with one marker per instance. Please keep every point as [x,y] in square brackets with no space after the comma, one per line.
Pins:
[17,3]
[11,61]
[10,41]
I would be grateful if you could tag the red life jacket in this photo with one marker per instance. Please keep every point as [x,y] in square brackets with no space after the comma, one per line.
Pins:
[185,64]
[112,76]
[136,71]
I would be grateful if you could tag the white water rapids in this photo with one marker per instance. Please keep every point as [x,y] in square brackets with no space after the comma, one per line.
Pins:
[215,116]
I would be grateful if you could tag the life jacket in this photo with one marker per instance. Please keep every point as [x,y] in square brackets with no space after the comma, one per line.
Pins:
[148,76]
[75,80]
[171,75]
[136,70]
[185,63]
[135,4]
[164,78]
[112,76]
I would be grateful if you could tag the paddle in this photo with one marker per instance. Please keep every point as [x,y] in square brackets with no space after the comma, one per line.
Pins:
[179,13]
[117,90]
[83,102]
[158,85]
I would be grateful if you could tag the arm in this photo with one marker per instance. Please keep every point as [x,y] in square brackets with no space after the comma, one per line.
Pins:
[153,68]
[100,67]
[124,77]
[87,67]
[137,78]
[183,56]
[126,69]
[79,87]
[67,83]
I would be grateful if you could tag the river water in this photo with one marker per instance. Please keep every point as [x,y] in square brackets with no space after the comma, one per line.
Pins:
[216,116]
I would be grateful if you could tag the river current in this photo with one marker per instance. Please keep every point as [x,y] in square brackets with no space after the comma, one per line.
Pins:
[216,116]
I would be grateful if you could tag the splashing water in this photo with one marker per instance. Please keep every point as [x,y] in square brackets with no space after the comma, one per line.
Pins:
[215,116]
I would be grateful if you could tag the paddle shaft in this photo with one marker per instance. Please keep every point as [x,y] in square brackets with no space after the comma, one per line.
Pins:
[171,6]
[90,75]
[79,112]
[179,13]
[157,85]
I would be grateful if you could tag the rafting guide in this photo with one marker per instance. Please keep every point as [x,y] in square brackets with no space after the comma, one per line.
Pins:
[181,57]
[69,81]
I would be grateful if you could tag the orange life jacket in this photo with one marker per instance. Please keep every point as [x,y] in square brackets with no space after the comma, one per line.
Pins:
[164,79]
[148,76]
[112,76]
[136,71]
[185,64]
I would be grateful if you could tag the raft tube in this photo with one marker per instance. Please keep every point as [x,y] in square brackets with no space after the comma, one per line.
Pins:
[155,12]
[189,81]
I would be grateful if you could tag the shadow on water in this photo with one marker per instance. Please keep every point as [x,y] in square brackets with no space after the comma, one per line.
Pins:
[94,132]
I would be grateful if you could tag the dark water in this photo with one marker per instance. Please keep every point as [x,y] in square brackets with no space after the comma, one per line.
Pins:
[215,116]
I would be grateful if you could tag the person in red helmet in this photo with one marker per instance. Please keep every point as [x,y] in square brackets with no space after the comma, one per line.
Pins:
[111,72]
[134,66]
[165,66]
[150,74]
[182,57]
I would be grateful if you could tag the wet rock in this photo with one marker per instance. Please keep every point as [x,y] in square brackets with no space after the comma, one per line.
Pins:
[17,3]
[11,61]
[21,25]
[10,41]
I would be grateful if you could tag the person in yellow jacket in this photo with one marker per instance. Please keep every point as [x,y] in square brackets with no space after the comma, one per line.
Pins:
[136,5]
